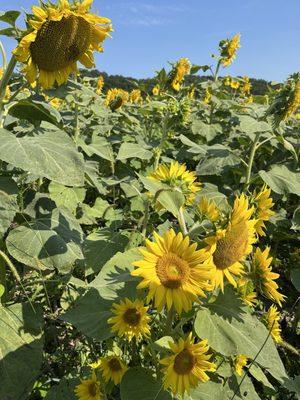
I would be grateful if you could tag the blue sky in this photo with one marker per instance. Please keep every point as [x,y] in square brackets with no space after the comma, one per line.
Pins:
[149,33]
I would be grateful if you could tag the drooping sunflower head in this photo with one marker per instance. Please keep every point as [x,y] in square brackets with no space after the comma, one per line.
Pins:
[245,289]
[58,37]
[263,203]
[246,86]
[177,176]
[135,96]
[100,84]
[113,368]
[180,70]
[187,366]
[230,246]
[208,209]
[228,49]
[116,98]
[239,363]
[271,319]
[130,319]
[264,277]
[208,95]
[89,389]
[174,271]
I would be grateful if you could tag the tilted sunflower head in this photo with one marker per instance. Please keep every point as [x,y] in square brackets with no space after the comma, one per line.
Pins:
[116,98]
[263,204]
[272,321]
[179,71]
[228,49]
[89,389]
[57,38]
[113,368]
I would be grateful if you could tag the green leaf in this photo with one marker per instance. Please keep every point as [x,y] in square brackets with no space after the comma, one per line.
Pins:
[9,32]
[64,390]
[8,202]
[99,146]
[51,154]
[207,391]
[193,147]
[133,150]
[35,111]
[257,373]
[21,350]
[219,159]
[9,17]
[50,242]
[295,278]
[67,197]
[281,180]
[100,246]
[208,131]
[231,330]
[171,200]
[139,384]
[242,389]
[251,125]
[296,220]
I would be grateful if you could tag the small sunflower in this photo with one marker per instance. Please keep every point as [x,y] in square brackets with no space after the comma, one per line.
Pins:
[116,98]
[113,368]
[245,289]
[187,366]
[264,277]
[7,91]
[246,86]
[130,319]
[230,246]
[100,84]
[89,389]
[182,68]
[175,272]
[191,93]
[209,209]
[135,96]
[239,363]
[263,203]
[56,102]
[208,95]
[177,176]
[156,90]
[59,36]
[271,319]
[228,49]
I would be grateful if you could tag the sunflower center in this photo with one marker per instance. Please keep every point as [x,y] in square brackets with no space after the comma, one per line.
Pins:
[172,270]
[61,43]
[132,316]
[184,362]
[114,364]
[232,247]
[93,389]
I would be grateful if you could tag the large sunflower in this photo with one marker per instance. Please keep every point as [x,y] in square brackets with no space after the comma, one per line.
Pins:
[187,366]
[130,319]
[89,389]
[177,176]
[264,277]
[175,272]
[263,203]
[230,246]
[59,36]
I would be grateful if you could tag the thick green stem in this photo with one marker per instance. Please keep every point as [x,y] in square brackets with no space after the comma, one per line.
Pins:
[181,222]
[3,53]
[6,78]
[289,347]
[169,322]
[162,142]
[215,77]
[145,219]
[251,159]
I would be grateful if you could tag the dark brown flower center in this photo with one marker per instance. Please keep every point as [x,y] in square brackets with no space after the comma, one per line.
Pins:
[114,364]
[172,270]
[184,362]
[59,43]
[232,247]
[132,316]
[93,389]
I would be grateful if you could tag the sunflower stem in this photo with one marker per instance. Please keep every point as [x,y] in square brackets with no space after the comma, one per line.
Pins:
[251,159]
[162,141]
[5,81]
[4,58]
[181,222]
[169,322]
[289,347]
[134,355]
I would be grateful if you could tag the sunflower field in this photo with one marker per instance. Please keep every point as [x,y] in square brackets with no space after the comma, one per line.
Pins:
[149,239]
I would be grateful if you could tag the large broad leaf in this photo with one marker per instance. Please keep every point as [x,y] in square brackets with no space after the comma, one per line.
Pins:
[99,146]
[231,330]
[139,384]
[251,125]
[208,131]
[100,246]
[295,278]
[114,280]
[207,391]
[21,350]
[52,241]
[9,17]
[133,150]
[35,111]
[52,155]
[64,390]
[282,180]
[8,202]
[90,314]
[68,197]
[219,159]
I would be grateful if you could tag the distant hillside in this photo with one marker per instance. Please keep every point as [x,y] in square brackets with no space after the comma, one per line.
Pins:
[259,86]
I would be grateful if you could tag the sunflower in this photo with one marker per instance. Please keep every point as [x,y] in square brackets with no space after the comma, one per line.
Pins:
[7,90]
[130,319]
[174,271]
[228,49]
[116,98]
[100,84]
[89,389]
[191,93]
[182,68]
[209,209]
[208,96]
[177,176]
[271,319]
[187,366]
[239,363]
[230,246]
[263,203]
[135,96]
[59,36]
[56,102]
[156,90]
[246,86]
[264,277]
[113,368]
